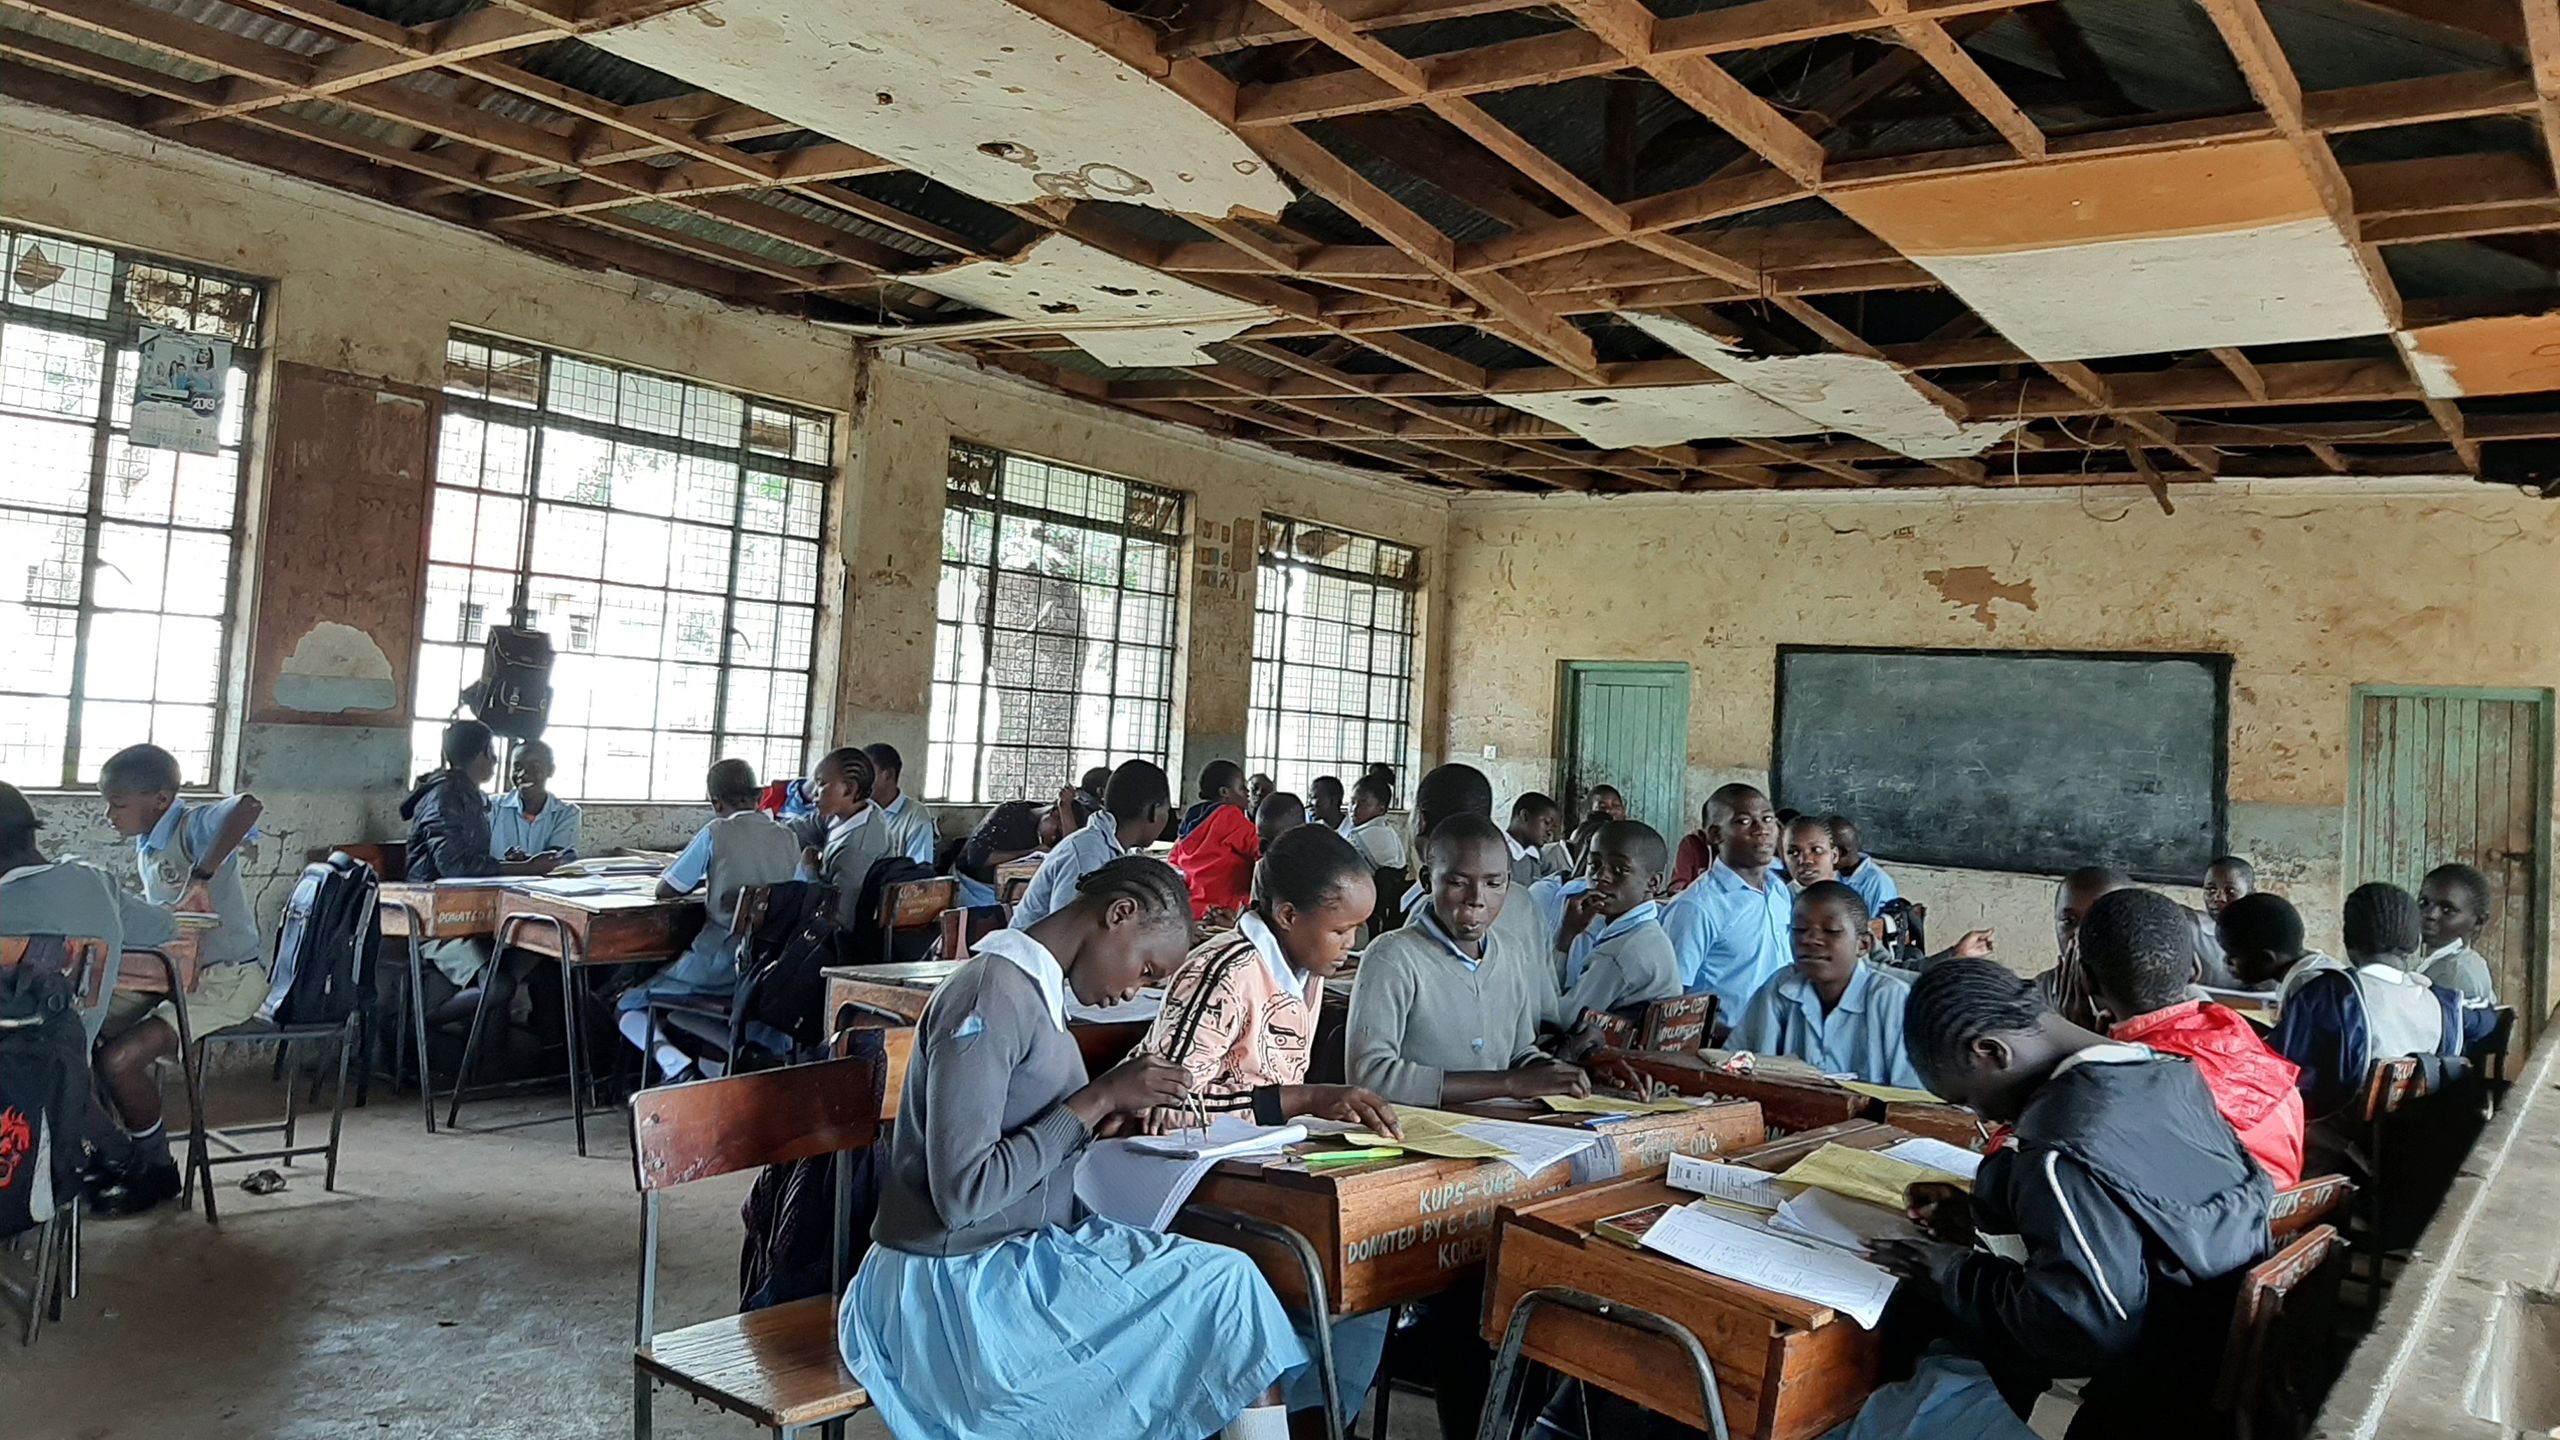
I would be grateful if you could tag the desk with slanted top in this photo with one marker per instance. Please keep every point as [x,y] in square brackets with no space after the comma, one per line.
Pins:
[1391,1231]
[626,924]
[1790,1105]
[1786,1369]
[1952,1123]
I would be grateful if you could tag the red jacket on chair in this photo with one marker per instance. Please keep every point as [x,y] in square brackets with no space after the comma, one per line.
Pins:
[1217,859]
[2252,1085]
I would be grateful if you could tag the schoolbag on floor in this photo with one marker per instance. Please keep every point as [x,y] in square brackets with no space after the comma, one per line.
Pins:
[326,947]
[44,1087]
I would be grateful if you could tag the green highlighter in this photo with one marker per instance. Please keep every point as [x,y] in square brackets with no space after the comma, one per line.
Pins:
[1351,1157]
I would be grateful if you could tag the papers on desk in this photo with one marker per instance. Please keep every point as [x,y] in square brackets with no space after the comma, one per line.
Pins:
[1890,1094]
[1937,1155]
[1227,1135]
[1524,1147]
[479,882]
[1853,1225]
[1693,1235]
[1141,1011]
[1868,1175]
[1612,1105]
[1739,1186]
[575,885]
[1122,1181]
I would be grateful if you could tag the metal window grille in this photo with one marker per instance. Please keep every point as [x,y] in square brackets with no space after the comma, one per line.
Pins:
[663,533]
[118,565]
[1054,636]
[1333,639]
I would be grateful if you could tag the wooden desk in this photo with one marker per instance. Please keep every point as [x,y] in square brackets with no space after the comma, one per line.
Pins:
[1397,1230]
[438,910]
[1790,1105]
[1786,1369]
[624,925]
[1644,1142]
[902,990]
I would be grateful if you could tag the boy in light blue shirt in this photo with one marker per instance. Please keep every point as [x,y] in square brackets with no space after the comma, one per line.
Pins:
[1730,928]
[1615,954]
[1830,1008]
[912,830]
[1859,870]
[529,820]
[1135,805]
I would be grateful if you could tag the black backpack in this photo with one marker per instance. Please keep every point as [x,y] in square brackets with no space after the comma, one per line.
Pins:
[779,986]
[326,947]
[44,1087]
[868,944]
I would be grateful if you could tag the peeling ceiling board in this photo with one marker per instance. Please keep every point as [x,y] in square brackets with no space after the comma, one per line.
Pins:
[1663,415]
[2223,245]
[2492,355]
[1138,317]
[978,94]
[1851,393]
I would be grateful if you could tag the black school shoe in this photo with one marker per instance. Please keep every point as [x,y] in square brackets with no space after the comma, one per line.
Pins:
[132,1192]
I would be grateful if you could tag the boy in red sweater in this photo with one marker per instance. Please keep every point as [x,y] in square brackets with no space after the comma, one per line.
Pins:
[2138,948]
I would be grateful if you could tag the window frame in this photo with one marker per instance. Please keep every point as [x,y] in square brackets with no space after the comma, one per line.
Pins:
[993,500]
[539,418]
[118,331]
[1276,558]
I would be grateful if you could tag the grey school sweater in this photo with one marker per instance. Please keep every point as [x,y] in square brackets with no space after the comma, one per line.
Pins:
[1419,1012]
[983,1148]
[1636,968]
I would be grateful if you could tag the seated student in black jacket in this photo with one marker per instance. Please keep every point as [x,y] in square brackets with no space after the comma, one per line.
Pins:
[449,839]
[2106,1232]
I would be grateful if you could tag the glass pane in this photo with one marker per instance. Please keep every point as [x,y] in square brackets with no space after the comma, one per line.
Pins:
[132,564]
[47,272]
[32,734]
[48,463]
[48,372]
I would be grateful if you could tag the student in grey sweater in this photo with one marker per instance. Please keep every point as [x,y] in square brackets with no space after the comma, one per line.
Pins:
[1447,1009]
[991,1304]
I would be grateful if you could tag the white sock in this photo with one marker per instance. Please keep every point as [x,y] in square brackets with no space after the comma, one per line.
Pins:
[672,1062]
[634,1026]
[711,1069]
[1262,1422]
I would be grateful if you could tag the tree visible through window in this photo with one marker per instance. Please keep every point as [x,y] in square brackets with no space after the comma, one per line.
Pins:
[1053,647]
[117,564]
[1333,634]
[664,534]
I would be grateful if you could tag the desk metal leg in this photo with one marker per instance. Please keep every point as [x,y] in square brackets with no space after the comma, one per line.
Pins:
[1502,1401]
[1218,1217]
[574,1034]
[415,939]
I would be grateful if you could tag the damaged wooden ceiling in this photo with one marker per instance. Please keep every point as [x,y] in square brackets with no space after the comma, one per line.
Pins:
[1585,244]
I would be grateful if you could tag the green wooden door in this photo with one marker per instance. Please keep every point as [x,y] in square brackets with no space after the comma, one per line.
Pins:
[2442,775]
[1628,726]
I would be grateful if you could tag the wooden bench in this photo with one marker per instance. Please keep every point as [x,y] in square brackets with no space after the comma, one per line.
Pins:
[779,1367]
[914,907]
[2279,1330]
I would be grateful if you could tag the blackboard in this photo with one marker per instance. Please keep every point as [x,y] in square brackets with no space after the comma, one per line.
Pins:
[2032,761]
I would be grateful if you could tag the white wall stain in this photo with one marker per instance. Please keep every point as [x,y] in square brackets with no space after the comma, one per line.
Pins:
[978,94]
[334,669]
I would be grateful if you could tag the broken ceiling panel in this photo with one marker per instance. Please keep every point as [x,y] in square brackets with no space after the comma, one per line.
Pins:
[1118,311]
[1664,415]
[979,94]
[2491,355]
[2134,254]
[1868,398]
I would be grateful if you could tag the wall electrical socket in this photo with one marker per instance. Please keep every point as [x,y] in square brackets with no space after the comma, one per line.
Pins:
[1493,752]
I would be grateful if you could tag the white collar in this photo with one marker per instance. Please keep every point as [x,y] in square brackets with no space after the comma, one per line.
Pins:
[2450,947]
[894,807]
[838,829]
[2106,1054]
[23,871]
[1517,849]
[1033,959]
[1267,945]
[2391,974]
[1108,826]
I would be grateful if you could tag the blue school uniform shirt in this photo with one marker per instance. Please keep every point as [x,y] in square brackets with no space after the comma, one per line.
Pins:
[1730,938]
[164,865]
[910,833]
[559,827]
[969,893]
[1053,888]
[1861,1037]
[1873,885]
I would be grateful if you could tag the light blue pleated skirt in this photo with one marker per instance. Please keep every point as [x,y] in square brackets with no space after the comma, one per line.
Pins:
[1068,1334]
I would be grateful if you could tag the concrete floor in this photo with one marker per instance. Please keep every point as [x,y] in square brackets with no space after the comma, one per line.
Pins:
[476,1284]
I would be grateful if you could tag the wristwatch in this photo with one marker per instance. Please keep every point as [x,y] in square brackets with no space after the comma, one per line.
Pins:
[200,876]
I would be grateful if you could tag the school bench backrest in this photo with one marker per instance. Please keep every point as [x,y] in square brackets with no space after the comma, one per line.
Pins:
[683,1133]
[2274,1359]
[2307,1204]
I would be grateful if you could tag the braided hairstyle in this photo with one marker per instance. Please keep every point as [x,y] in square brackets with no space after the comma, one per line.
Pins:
[1305,868]
[1958,1001]
[1157,889]
[854,764]
[2381,919]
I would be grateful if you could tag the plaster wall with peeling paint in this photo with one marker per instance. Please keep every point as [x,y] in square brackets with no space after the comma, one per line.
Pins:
[2310,593]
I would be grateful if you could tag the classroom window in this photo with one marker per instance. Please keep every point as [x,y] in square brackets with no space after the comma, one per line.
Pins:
[663,533]
[118,563]
[1333,636]
[1054,636]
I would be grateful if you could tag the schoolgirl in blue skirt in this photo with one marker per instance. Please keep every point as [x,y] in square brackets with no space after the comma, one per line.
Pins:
[990,1305]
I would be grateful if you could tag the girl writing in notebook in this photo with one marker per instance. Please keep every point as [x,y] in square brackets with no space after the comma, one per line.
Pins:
[990,1304]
